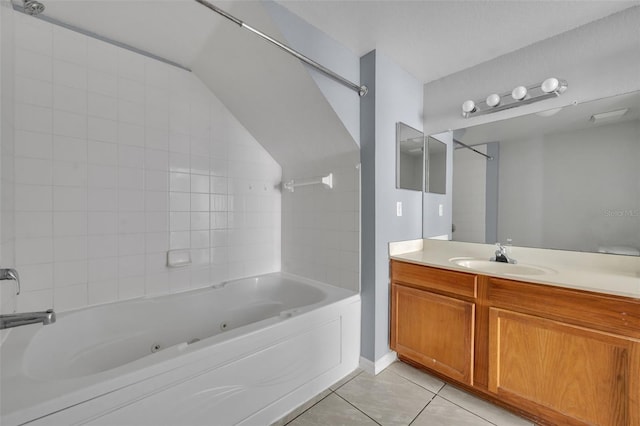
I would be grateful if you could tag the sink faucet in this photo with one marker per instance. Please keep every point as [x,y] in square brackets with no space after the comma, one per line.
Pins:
[10,274]
[16,320]
[501,255]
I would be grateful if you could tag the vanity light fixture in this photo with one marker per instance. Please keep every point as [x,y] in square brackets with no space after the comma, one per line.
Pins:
[521,95]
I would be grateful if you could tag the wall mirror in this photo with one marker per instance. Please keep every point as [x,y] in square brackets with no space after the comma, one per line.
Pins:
[436,166]
[567,178]
[409,157]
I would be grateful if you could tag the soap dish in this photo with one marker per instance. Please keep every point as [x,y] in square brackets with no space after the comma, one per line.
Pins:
[178,258]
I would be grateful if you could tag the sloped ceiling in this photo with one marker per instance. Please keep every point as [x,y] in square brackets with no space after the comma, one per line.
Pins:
[270,91]
[173,29]
[273,95]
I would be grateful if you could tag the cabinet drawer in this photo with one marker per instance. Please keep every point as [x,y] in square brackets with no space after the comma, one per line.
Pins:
[599,311]
[456,283]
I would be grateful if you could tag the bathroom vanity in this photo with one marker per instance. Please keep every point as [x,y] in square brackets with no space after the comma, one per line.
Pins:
[556,340]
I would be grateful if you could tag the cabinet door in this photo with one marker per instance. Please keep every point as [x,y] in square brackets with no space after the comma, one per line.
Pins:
[433,330]
[569,374]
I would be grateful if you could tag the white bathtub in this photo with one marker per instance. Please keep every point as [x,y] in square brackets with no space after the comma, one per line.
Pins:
[246,352]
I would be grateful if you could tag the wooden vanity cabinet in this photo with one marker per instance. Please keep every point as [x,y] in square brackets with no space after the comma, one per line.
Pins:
[561,371]
[440,332]
[569,356]
[433,319]
[555,355]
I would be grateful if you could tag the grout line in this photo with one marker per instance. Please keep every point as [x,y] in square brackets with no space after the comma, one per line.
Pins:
[418,384]
[348,402]
[467,410]
[318,402]
[423,408]
[330,392]
[438,394]
[333,390]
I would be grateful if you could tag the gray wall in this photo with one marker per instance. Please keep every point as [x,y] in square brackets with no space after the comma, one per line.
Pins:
[394,96]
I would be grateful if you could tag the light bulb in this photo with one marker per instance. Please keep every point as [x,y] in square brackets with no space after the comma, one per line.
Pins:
[519,93]
[468,107]
[550,85]
[493,100]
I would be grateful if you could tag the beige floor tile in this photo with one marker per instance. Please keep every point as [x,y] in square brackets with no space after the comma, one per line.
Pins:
[301,409]
[486,410]
[441,412]
[333,411]
[349,376]
[387,398]
[418,377]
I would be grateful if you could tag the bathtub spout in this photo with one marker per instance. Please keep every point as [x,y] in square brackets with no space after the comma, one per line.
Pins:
[16,320]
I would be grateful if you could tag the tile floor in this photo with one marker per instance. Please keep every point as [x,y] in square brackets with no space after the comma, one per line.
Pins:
[400,395]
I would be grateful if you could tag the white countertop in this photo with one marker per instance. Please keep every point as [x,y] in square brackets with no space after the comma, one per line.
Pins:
[601,273]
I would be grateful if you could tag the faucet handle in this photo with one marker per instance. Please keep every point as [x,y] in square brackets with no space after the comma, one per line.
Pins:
[10,274]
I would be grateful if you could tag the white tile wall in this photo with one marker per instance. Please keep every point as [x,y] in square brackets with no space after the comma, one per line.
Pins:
[321,227]
[119,158]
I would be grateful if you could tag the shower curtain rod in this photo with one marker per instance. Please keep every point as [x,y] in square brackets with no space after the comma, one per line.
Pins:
[19,7]
[464,145]
[360,89]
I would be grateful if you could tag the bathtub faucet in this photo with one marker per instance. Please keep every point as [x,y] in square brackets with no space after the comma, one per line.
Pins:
[16,320]
[10,274]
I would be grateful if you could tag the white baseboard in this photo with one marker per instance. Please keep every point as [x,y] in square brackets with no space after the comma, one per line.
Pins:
[377,367]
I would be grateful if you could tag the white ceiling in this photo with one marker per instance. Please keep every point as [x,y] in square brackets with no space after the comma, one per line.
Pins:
[432,39]
[429,39]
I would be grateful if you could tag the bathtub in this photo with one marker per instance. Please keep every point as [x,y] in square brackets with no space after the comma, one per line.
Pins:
[244,352]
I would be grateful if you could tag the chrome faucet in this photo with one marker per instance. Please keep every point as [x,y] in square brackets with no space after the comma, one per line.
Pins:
[10,274]
[501,255]
[16,320]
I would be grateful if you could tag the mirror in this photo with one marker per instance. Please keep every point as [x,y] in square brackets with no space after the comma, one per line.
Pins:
[409,155]
[567,178]
[436,166]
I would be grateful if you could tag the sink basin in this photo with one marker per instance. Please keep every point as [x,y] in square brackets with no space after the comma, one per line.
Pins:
[499,267]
